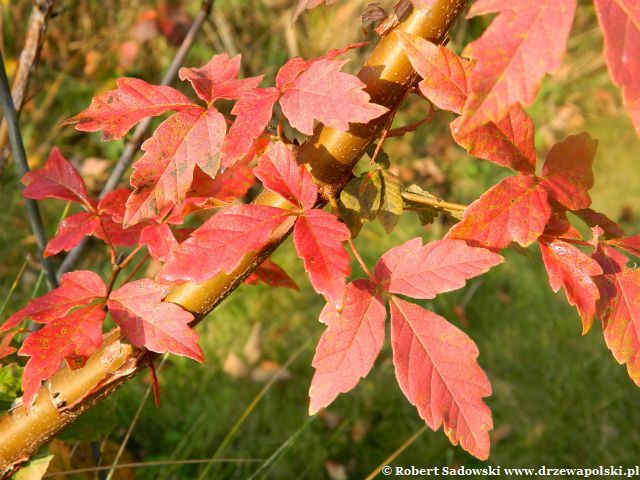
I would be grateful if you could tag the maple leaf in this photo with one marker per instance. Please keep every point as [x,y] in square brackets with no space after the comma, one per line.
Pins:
[116,111]
[444,74]
[620,23]
[571,269]
[619,308]
[148,322]
[58,178]
[526,40]
[567,171]
[159,240]
[221,242]
[279,172]
[425,271]
[324,93]
[219,79]
[593,218]
[514,210]
[73,336]
[630,244]
[437,371]
[253,111]
[272,274]
[318,238]
[71,231]
[508,142]
[5,344]
[77,288]
[349,346]
[163,175]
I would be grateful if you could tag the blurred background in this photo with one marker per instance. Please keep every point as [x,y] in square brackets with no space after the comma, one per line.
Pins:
[559,398]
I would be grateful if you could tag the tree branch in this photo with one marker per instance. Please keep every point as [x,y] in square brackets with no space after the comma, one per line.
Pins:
[330,155]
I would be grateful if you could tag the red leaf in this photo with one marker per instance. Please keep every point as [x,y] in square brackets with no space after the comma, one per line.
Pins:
[318,238]
[619,308]
[572,270]
[620,23]
[279,172]
[630,244]
[221,242]
[77,288]
[514,210]
[559,226]
[593,218]
[350,345]
[567,173]
[163,175]
[159,240]
[253,112]
[440,266]
[218,79]
[509,142]
[5,345]
[272,274]
[444,74]
[56,179]
[116,111]
[526,40]
[71,232]
[76,335]
[437,371]
[147,321]
[324,93]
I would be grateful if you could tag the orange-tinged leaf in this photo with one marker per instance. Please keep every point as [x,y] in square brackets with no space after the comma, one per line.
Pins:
[116,111]
[526,40]
[573,270]
[425,271]
[159,240]
[221,242]
[567,172]
[219,79]
[349,346]
[279,172]
[324,93]
[163,175]
[620,23]
[318,238]
[272,274]
[508,142]
[437,371]
[77,288]
[58,178]
[444,74]
[147,321]
[76,335]
[619,308]
[514,210]
[630,244]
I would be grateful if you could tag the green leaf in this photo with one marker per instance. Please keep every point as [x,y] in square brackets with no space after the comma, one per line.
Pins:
[369,194]
[93,425]
[426,214]
[349,207]
[392,203]
[35,469]
[382,159]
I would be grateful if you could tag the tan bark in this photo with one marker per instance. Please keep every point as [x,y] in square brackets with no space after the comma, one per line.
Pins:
[330,155]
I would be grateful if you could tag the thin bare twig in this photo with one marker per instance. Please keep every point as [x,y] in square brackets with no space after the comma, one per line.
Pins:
[42,10]
[141,130]
[22,167]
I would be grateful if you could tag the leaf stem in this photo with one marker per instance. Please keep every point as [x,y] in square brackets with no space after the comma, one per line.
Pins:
[336,211]
[439,204]
[412,127]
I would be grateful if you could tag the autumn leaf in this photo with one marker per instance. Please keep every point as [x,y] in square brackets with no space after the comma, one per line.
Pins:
[514,210]
[620,23]
[619,308]
[78,288]
[75,335]
[116,111]
[571,269]
[630,244]
[318,238]
[148,322]
[221,242]
[58,178]
[279,172]
[163,175]
[526,40]
[349,346]
[324,93]
[593,218]
[272,274]
[71,231]
[567,172]
[437,371]
[159,240]
[425,271]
